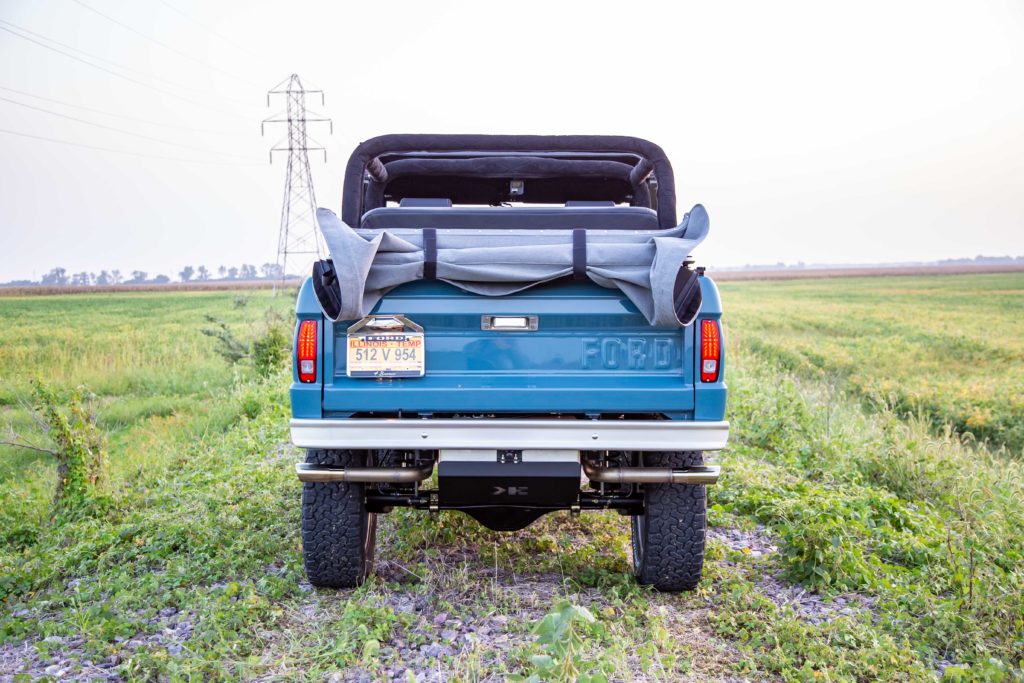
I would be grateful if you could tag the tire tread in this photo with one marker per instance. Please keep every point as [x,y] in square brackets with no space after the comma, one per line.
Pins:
[674,524]
[337,532]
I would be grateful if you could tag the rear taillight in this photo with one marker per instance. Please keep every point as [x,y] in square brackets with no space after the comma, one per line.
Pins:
[306,351]
[710,351]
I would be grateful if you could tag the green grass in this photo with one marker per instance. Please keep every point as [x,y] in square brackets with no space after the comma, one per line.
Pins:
[141,354]
[863,497]
[141,344]
[945,348]
[872,504]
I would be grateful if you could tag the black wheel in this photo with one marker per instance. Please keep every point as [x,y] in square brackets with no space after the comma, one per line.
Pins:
[338,534]
[668,538]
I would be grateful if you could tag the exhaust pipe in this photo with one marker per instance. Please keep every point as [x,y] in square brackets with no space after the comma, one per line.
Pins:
[308,472]
[704,474]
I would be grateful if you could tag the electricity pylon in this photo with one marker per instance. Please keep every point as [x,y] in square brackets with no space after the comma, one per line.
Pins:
[299,241]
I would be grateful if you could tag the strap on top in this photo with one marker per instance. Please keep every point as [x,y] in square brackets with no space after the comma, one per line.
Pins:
[579,254]
[429,253]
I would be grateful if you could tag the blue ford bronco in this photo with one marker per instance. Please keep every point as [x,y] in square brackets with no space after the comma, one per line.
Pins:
[519,315]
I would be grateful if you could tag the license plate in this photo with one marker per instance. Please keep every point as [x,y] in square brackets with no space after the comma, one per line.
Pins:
[386,354]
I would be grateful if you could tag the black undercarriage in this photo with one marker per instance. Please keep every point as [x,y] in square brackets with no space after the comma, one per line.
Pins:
[505,494]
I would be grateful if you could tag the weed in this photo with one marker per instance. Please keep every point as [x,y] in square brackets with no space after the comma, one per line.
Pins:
[562,637]
[229,346]
[270,349]
[267,352]
[79,446]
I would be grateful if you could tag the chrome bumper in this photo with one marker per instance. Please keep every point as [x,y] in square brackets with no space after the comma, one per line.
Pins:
[582,435]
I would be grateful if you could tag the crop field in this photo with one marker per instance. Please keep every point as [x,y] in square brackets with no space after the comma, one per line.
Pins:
[867,525]
[946,349]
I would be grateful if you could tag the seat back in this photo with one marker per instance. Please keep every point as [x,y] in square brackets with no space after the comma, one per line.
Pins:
[511,218]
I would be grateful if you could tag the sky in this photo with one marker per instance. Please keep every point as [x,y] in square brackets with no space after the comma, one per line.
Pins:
[814,132]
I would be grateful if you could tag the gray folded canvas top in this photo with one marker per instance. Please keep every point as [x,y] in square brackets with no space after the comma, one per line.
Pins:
[510,250]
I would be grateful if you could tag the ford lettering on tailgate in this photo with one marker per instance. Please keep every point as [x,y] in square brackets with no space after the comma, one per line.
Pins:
[628,353]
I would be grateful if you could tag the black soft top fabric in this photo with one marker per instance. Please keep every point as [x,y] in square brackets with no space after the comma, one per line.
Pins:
[647,158]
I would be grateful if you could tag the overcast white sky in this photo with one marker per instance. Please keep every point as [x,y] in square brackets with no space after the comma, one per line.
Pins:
[816,132]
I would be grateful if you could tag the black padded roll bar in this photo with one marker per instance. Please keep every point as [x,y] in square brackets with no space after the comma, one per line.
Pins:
[377,170]
[641,172]
[650,158]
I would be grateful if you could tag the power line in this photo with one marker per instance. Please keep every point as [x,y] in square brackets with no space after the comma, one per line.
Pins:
[122,76]
[209,30]
[124,151]
[118,130]
[299,241]
[163,44]
[121,66]
[119,116]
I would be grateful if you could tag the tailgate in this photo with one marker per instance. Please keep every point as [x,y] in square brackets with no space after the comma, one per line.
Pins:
[591,352]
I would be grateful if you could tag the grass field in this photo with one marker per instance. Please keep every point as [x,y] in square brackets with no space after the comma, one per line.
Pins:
[857,534]
[142,355]
[947,349]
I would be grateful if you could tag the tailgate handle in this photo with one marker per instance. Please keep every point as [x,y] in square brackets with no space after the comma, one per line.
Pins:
[509,323]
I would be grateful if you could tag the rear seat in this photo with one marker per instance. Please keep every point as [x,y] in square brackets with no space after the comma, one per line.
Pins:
[438,213]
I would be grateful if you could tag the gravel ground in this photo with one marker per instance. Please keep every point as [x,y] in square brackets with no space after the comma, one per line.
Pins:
[812,606]
[467,611]
[808,605]
[756,542]
[447,642]
[65,659]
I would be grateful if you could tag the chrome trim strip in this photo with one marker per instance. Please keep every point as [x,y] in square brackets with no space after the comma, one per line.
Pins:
[585,435]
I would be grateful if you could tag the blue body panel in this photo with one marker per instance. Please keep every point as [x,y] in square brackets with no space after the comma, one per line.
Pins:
[593,352]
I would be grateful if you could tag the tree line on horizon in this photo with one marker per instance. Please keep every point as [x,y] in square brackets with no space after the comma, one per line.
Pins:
[60,277]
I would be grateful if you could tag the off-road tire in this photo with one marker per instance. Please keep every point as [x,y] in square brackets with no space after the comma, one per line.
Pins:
[338,534]
[668,538]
